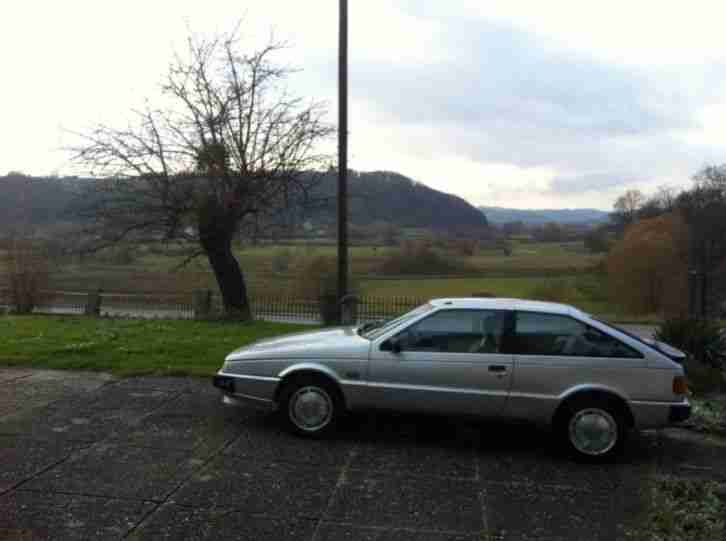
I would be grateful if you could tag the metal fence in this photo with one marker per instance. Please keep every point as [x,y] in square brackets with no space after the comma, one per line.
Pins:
[181,306]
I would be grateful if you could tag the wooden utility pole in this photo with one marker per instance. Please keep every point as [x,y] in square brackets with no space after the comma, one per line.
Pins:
[342,155]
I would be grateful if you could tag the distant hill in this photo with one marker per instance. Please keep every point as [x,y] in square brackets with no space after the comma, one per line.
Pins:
[378,196]
[500,215]
[384,196]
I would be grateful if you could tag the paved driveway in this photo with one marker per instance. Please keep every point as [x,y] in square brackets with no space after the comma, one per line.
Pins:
[86,456]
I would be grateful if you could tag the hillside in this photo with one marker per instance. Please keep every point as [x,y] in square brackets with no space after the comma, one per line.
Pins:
[383,196]
[377,196]
[500,215]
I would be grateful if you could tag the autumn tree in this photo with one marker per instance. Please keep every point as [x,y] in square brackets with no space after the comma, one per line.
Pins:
[626,209]
[226,149]
[647,268]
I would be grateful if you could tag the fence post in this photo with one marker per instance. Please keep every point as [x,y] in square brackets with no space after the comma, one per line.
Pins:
[202,303]
[93,304]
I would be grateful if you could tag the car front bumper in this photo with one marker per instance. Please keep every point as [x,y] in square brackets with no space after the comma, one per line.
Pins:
[238,390]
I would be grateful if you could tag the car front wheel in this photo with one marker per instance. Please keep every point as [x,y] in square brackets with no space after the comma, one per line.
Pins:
[310,406]
[593,430]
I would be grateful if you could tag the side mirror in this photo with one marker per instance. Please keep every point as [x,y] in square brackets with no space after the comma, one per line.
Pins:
[392,344]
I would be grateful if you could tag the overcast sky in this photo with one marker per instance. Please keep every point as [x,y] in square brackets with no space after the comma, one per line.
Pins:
[520,103]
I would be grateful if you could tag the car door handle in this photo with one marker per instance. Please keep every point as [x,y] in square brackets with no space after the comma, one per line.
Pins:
[497,368]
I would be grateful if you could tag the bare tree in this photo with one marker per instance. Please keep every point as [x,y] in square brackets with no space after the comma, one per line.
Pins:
[229,150]
[629,203]
[626,209]
[704,208]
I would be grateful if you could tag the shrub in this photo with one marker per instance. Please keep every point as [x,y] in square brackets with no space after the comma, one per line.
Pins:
[418,257]
[596,241]
[702,338]
[318,280]
[281,260]
[647,269]
[506,246]
[463,247]
[26,264]
[554,290]
[117,255]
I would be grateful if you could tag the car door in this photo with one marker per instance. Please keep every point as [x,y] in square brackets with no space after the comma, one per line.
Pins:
[448,362]
[555,353]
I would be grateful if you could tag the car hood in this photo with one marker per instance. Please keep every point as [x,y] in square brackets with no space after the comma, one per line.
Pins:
[337,342]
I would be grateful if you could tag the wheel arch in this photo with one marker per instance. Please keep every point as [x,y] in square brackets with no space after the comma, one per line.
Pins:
[309,370]
[596,393]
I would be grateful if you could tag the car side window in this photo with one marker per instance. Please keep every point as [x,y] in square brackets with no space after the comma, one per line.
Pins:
[456,331]
[551,334]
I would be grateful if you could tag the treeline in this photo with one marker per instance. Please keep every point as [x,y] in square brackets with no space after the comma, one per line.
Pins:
[670,253]
[387,197]
[376,199]
[34,201]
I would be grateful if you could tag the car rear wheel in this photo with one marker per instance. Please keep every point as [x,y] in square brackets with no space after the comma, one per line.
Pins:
[310,406]
[592,429]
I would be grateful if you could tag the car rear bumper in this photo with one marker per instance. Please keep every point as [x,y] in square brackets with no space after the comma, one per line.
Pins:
[659,414]
[679,412]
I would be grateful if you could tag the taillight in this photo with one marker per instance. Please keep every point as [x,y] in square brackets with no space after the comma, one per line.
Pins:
[680,385]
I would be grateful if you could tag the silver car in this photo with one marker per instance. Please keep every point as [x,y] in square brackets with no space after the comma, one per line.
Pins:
[493,358]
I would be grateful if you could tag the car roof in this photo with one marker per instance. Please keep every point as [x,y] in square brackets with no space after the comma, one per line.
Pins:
[498,303]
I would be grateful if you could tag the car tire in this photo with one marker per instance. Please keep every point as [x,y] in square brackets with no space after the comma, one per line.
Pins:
[310,406]
[592,429]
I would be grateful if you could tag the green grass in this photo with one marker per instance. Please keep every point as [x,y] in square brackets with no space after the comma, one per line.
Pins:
[127,347]
[448,287]
[685,509]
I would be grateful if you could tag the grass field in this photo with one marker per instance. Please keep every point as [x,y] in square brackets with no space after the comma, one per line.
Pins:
[127,347]
[275,270]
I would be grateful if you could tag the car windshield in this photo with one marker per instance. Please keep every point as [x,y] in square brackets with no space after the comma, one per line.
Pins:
[375,329]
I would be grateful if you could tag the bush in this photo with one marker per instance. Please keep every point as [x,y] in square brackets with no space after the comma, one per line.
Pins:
[281,260]
[648,268]
[418,257]
[701,338]
[318,280]
[117,255]
[463,247]
[26,263]
[596,241]
[554,290]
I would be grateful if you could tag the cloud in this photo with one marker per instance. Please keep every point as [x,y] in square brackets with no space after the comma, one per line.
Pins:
[589,182]
[508,96]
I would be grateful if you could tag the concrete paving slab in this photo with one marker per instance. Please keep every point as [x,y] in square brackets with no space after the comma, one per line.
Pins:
[21,457]
[206,402]
[198,469]
[263,440]
[8,375]
[387,500]
[134,401]
[39,516]
[173,522]
[276,490]
[693,455]
[534,511]
[345,532]
[160,383]
[44,387]
[75,421]
[117,471]
[179,431]
[417,460]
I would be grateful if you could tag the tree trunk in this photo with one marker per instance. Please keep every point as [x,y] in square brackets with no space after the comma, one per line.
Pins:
[229,276]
